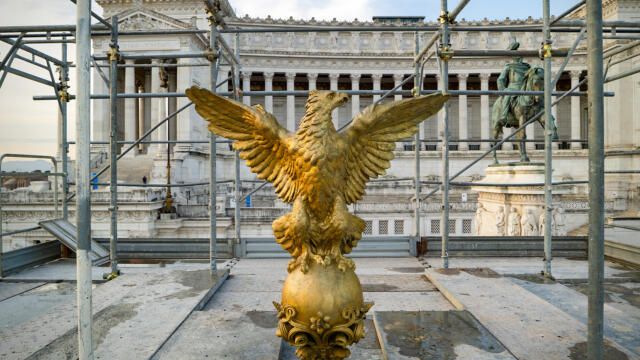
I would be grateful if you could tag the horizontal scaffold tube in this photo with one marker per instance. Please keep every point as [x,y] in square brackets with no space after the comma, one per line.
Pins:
[149,185]
[348,92]
[495,140]
[427,28]
[503,53]
[20,231]
[221,141]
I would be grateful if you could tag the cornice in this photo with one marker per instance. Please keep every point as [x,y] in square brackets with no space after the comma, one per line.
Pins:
[269,21]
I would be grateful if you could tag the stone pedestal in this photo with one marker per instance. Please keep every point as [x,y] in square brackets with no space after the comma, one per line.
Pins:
[514,209]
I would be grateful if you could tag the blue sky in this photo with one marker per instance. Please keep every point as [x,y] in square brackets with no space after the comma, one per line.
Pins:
[364,9]
[28,126]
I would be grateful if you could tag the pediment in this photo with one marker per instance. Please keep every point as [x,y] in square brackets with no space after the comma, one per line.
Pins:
[145,19]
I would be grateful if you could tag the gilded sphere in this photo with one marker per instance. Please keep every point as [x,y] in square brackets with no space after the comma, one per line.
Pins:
[323,293]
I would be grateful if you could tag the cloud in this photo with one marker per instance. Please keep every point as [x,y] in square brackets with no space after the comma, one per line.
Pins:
[306,9]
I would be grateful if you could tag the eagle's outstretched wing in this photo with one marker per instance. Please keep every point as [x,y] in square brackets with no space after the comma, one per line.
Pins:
[372,135]
[261,141]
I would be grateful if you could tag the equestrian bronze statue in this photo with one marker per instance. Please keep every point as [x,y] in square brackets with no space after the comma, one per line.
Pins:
[514,110]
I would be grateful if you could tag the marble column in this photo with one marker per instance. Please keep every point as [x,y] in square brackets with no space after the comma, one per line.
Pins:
[422,130]
[100,112]
[397,79]
[161,104]
[246,86]
[355,99]
[130,106]
[291,102]
[485,112]
[184,128]
[155,104]
[312,78]
[140,120]
[575,111]
[333,86]
[268,86]
[463,125]
[171,106]
[440,117]
[554,113]
[376,78]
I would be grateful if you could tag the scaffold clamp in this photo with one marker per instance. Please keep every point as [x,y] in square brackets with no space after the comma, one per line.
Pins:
[211,55]
[445,18]
[545,51]
[113,53]
[63,94]
[445,53]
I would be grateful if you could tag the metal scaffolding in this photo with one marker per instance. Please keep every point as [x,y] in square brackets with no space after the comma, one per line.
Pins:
[221,53]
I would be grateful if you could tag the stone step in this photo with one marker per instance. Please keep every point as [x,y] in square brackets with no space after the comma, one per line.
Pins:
[626,253]
[169,248]
[508,246]
[367,247]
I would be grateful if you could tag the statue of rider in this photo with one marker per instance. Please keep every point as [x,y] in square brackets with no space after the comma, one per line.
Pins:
[511,78]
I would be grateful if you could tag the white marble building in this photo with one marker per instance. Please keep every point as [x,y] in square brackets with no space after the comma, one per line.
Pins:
[343,60]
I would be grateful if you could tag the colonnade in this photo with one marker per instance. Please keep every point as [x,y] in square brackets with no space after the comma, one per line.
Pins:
[134,121]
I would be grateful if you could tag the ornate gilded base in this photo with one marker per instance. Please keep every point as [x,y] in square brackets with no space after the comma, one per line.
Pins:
[322,312]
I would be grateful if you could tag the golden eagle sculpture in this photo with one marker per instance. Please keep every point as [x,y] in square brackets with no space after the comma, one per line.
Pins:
[319,171]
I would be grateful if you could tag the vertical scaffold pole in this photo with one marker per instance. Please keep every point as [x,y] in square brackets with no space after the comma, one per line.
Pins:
[237,194]
[596,179]
[64,153]
[444,85]
[83,190]
[417,80]
[113,145]
[548,132]
[213,74]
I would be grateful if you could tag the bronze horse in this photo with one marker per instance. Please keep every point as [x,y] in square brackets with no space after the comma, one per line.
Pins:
[521,108]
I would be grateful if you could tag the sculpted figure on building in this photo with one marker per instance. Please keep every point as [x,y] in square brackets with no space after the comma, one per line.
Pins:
[500,221]
[478,220]
[514,228]
[529,226]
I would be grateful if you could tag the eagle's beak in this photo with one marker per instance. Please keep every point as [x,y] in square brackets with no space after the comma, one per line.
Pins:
[342,99]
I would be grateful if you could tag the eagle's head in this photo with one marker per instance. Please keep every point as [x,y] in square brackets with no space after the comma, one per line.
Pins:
[321,101]
[336,99]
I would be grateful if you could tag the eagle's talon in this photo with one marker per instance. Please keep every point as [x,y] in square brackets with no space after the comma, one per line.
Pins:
[320,260]
[293,264]
[344,263]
